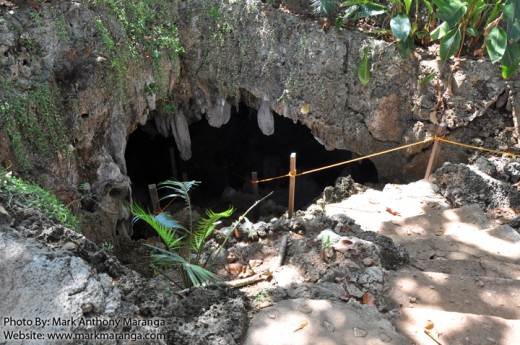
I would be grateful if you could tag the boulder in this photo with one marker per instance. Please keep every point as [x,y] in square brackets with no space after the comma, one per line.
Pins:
[463,184]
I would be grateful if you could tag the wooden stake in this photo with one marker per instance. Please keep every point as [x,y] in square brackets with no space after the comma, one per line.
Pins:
[152,188]
[441,130]
[254,179]
[292,183]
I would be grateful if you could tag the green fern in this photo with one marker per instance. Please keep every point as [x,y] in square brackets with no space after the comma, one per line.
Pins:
[205,227]
[166,230]
[180,189]
[191,273]
[184,243]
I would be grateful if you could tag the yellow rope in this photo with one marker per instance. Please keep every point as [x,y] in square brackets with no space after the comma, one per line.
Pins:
[271,179]
[346,162]
[475,147]
[367,156]
[439,138]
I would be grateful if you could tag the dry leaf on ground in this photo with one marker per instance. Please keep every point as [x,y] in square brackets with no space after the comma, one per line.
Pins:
[343,245]
[301,325]
[369,299]
[393,213]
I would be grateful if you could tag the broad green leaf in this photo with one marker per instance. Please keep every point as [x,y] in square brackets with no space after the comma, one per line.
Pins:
[440,31]
[451,11]
[472,32]
[493,14]
[370,10]
[509,71]
[400,26]
[428,78]
[512,15]
[450,43]
[364,69]
[476,7]
[406,46]
[355,2]
[349,12]
[323,7]
[496,43]
[338,23]
[510,60]
[428,6]
[407,5]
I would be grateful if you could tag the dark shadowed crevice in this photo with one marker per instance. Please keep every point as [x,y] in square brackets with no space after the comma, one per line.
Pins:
[224,158]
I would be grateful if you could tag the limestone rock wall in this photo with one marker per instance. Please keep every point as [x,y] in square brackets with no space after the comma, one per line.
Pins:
[257,53]
[280,63]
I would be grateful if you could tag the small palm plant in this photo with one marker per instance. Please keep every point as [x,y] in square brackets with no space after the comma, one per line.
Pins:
[184,242]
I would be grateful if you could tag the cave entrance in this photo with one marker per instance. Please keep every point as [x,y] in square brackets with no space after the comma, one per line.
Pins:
[223,159]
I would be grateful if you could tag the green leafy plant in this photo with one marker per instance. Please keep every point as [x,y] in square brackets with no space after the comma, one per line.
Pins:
[326,243]
[62,27]
[324,7]
[364,74]
[260,296]
[400,25]
[107,246]
[149,35]
[15,189]
[358,9]
[502,45]
[458,25]
[476,19]
[401,28]
[33,122]
[151,89]
[184,241]
[168,107]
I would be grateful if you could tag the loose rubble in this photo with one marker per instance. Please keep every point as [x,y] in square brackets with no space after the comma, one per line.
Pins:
[314,267]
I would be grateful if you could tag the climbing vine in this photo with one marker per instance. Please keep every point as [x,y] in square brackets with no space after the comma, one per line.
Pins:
[149,36]
[33,121]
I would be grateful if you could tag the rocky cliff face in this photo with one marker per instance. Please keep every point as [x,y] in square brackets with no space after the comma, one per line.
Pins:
[76,73]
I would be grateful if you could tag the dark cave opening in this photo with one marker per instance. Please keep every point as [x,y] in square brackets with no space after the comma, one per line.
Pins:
[224,158]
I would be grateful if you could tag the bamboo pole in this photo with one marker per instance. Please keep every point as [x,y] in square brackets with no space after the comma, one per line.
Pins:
[152,189]
[292,183]
[441,130]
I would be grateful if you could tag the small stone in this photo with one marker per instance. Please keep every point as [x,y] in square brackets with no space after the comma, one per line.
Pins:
[480,284]
[87,308]
[359,332]
[304,308]
[412,300]
[273,314]
[368,262]
[354,291]
[439,233]
[385,338]
[395,312]
[328,326]
[70,246]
